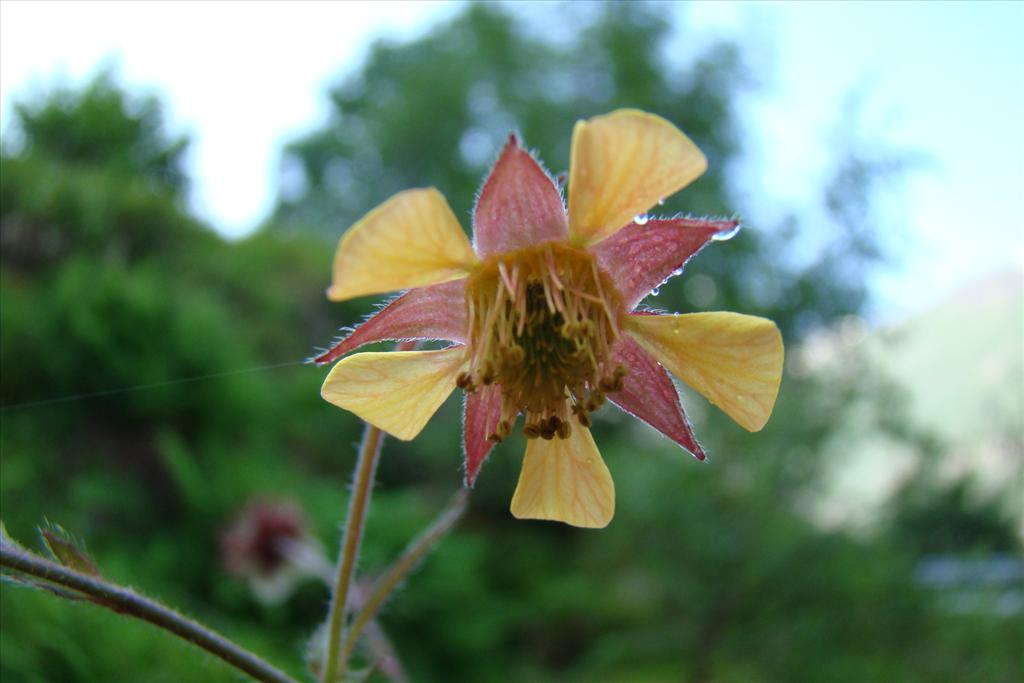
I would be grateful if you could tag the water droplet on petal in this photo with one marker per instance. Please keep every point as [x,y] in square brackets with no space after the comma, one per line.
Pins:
[641,219]
[655,291]
[726,235]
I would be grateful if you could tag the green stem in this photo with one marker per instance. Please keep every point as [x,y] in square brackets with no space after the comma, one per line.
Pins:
[366,466]
[410,557]
[128,602]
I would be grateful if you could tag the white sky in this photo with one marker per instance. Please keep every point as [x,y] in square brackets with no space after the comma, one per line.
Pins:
[241,78]
[945,79]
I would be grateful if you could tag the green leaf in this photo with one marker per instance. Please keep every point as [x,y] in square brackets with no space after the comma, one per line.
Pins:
[67,550]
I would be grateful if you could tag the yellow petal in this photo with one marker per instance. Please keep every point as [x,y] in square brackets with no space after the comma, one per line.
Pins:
[411,240]
[734,360]
[621,165]
[397,391]
[565,480]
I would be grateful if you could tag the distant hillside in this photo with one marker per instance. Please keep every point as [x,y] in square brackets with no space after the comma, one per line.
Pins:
[963,360]
[960,369]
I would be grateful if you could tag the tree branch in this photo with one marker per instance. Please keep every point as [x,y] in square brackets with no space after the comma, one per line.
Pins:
[126,601]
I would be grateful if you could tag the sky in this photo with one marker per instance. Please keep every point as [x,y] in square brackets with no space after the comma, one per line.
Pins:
[942,81]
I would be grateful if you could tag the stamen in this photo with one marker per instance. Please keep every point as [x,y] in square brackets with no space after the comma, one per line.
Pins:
[552,271]
[604,301]
[501,431]
[520,302]
[465,382]
[547,295]
[505,278]
[542,325]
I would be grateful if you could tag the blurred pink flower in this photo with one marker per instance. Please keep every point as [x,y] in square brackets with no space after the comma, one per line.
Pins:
[268,545]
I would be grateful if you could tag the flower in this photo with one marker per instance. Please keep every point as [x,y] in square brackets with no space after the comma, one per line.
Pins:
[268,544]
[541,313]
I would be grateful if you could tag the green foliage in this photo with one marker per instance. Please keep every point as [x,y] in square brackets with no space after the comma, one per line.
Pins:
[64,645]
[709,572]
[103,127]
[935,517]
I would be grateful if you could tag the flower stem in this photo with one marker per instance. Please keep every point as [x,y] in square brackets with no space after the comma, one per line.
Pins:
[366,466]
[126,601]
[412,555]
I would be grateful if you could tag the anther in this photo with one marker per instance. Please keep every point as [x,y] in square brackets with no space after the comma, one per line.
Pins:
[486,372]
[618,381]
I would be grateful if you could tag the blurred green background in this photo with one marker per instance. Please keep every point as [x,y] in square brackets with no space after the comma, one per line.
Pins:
[848,541]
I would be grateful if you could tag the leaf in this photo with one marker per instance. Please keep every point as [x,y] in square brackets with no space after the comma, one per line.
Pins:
[66,549]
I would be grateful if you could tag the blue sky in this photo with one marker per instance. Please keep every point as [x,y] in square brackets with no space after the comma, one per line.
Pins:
[942,79]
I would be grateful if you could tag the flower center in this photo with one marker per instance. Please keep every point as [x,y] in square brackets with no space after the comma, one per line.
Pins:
[542,321]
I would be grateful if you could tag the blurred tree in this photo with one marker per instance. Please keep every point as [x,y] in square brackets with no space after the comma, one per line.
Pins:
[103,127]
[107,284]
[933,517]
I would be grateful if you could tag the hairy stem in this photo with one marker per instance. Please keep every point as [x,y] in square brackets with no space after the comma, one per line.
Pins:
[380,647]
[362,487]
[408,560]
[129,603]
